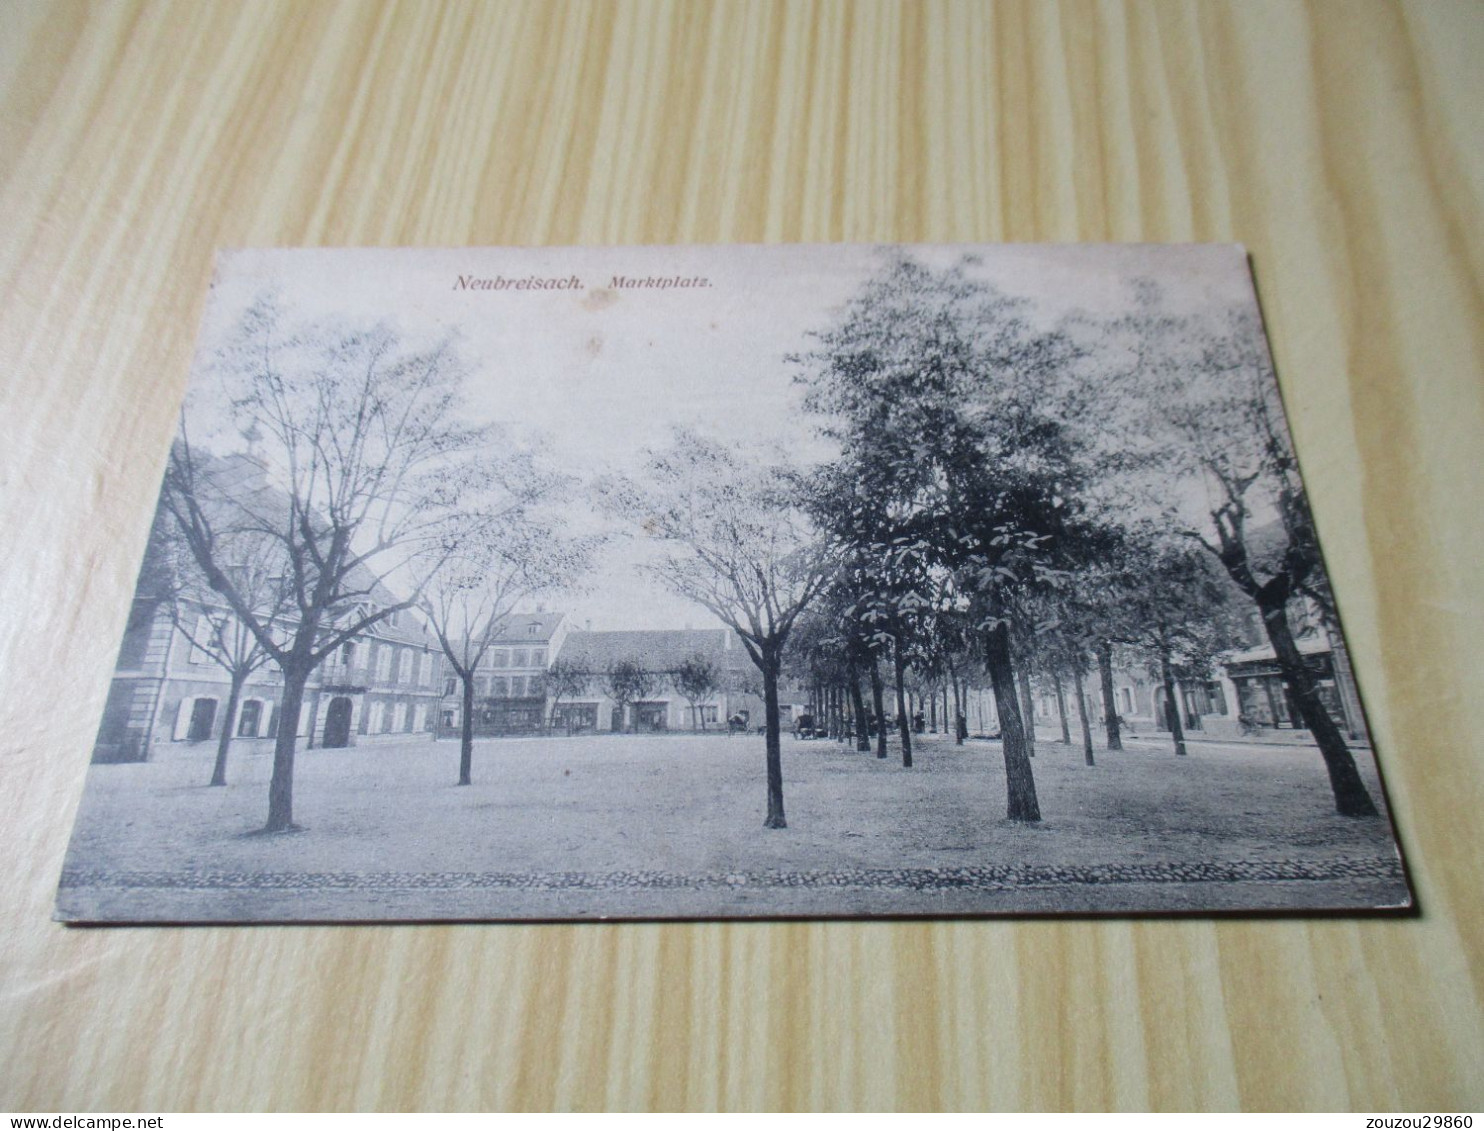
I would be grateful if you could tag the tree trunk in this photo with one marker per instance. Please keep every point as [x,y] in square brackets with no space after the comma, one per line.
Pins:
[933,712]
[1351,797]
[1020,781]
[466,731]
[281,786]
[775,819]
[1082,715]
[1172,707]
[858,704]
[878,700]
[223,744]
[958,702]
[1110,705]
[1028,715]
[904,721]
[1061,709]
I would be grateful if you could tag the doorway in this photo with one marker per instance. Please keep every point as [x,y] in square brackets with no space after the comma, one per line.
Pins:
[337,722]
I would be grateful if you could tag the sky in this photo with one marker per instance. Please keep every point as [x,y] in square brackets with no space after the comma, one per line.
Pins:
[601,373]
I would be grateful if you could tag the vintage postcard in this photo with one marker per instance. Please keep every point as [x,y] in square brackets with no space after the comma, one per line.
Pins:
[719,582]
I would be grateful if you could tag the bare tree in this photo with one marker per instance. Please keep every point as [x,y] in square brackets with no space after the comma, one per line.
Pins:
[739,545]
[358,451]
[212,628]
[507,549]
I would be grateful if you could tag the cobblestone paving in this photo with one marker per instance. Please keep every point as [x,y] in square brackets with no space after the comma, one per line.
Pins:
[991,878]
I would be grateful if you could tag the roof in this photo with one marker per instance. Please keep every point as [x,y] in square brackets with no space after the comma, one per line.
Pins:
[517,628]
[657,649]
[1314,645]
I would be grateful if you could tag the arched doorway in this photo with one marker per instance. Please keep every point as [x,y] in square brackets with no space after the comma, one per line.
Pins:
[337,722]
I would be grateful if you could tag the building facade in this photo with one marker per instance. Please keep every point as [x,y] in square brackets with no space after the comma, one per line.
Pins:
[510,680]
[514,692]
[170,687]
[1245,696]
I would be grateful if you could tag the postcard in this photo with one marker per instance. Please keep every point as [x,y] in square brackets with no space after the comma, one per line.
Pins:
[731,582]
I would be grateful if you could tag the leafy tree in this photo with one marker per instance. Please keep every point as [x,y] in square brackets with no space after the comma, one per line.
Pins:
[1217,398]
[565,680]
[1177,614]
[505,547]
[959,423]
[357,475]
[629,682]
[737,543]
[697,678]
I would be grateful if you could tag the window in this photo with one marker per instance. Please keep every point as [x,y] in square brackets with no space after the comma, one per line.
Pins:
[419,719]
[499,658]
[347,653]
[450,686]
[499,687]
[1128,699]
[517,687]
[399,716]
[425,673]
[535,686]
[1216,696]
[481,686]
[249,718]
[533,629]
[404,666]
[384,662]
[193,719]
[201,631]
[538,659]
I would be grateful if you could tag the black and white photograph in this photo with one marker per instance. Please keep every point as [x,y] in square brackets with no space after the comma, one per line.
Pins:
[731,582]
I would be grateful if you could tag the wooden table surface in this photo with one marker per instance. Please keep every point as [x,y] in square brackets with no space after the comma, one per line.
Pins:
[1340,142]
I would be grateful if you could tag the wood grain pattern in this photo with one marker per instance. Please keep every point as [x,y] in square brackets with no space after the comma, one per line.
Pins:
[1339,141]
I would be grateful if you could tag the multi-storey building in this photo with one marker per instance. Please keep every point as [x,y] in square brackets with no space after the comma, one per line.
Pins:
[513,696]
[510,681]
[169,686]
[383,686]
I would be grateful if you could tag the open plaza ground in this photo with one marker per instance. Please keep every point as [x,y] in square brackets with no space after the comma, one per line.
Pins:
[671,825]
